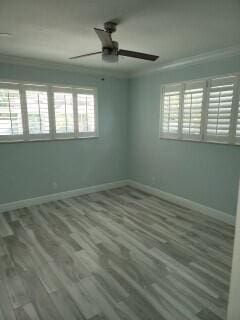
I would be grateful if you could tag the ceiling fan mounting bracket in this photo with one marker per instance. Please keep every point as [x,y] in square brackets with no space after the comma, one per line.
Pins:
[110,26]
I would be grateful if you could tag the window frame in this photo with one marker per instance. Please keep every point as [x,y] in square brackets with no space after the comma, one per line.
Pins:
[168,135]
[215,82]
[12,85]
[236,101]
[204,138]
[50,88]
[95,97]
[37,88]
[60,135]
[187,86]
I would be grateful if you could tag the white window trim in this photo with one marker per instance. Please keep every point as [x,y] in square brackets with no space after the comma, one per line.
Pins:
[203,137]
[23,86]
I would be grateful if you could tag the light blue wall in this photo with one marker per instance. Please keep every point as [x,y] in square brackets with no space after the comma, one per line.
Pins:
[29,169]
[202,172]
[128,145]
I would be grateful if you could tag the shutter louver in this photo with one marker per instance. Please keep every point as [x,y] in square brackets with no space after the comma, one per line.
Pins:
[86,116]
[171,110]
[63,105]
[219,109]
[10,113]
[37,108]
[192,109]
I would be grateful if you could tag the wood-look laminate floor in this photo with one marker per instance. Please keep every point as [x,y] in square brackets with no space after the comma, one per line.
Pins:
[116,255]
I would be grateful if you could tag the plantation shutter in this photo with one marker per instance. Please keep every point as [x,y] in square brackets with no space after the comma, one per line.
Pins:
[10,113]
[37,108]
[63,105]
[86,114]
[238,122]
[192,109]
[170,110]
[219,109]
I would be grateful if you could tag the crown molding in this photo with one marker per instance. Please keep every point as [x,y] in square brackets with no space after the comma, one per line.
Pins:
[70,67]
[193,60]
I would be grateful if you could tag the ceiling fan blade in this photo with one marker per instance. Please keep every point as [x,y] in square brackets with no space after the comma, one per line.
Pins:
[105,38]
[138,55]
[85,55]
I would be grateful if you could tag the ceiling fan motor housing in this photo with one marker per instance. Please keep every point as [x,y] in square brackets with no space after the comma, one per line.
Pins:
[110,26]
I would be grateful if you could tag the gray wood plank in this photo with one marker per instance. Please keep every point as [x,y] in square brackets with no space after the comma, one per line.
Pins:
[27,312]
[5,304]
[39,297]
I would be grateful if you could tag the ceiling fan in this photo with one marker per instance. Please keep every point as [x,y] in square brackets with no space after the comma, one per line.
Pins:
[110,51]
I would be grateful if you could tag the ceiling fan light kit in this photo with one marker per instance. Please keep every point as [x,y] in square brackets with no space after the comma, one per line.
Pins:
[110,50]
[110,55]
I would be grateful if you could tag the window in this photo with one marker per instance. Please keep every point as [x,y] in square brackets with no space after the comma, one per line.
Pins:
[10,113]
[86,115]
[238,121]
[63,105]
[202,110]
[219,109]
[171,109]
[36,112]
[192,110]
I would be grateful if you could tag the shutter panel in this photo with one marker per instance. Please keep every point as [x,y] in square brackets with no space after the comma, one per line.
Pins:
[37,108]
[238,122]
[10,113]
[86,112]
[170,110]
[63,105]
[192,109]
[219,109]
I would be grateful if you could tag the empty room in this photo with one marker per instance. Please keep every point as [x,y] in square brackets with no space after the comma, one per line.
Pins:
[119,160]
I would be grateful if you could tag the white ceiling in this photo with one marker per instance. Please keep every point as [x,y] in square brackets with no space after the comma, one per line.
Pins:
[54,30]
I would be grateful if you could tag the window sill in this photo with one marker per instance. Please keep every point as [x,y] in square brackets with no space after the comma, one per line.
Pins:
[237,144]
[49,139]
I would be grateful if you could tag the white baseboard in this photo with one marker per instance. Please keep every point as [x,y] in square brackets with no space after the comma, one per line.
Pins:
[222,216]
[60,195]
